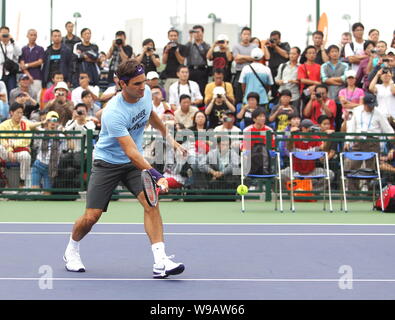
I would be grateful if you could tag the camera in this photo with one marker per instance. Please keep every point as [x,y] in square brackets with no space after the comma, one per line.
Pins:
[92,54]
[386,70]
[150,49]
[315,129]
[373,51]
[318,95]
[118,42]
[272,40]
[386,60]
[173,44]
[221,42]
[80,113]
[219,96]
[60,94]
[6,35]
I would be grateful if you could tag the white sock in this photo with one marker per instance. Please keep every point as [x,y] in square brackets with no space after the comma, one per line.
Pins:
[158,249]
[73,245]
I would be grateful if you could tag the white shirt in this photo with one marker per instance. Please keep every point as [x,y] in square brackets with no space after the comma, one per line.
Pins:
[176,90]
[368,122]
[3,90]
[13,52]
[77,92]
[222,129]
[159,110]
[73,125]
[386,100]
[358,51]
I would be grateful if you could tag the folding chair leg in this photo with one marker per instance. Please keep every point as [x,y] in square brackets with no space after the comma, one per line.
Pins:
[324,196]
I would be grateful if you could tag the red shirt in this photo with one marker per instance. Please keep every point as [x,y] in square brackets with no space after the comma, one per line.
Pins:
[309,72]
[305,166]
[50,95]
[318,110]
[258,138]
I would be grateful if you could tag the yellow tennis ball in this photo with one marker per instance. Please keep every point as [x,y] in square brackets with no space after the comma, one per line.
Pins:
[242,190]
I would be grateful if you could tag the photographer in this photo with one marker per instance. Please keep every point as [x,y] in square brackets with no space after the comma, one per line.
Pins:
[218,105]
[282,113]
[385,92]
[87,59]
[60,104]
[388,61]
[8,67]
[118,53]
[80,122]
[149,58]
[173,57]
[221,56]
[320,104]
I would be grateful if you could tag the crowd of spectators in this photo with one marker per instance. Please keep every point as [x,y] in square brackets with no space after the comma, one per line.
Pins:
[254,86]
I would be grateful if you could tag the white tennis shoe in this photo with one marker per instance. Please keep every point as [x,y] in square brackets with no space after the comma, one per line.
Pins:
[73,261]
[166,268]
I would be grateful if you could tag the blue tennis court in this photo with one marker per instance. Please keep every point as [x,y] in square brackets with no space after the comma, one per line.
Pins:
[223,262]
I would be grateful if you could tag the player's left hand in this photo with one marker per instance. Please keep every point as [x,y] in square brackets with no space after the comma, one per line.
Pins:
[164,185]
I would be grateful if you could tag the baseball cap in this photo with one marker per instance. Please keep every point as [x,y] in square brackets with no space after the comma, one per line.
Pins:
[229,113]
[52,114]
[219,90]
[152,75]
[257,54]
[24,77]
[370,100]
[391,51]
[307,123]
[62,85]
[286,93]
[350,74]
[222,37]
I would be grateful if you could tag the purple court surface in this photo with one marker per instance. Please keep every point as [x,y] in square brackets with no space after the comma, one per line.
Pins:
[223,262]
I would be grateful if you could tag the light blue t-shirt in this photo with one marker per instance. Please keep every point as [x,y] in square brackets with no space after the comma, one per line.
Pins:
[121,119]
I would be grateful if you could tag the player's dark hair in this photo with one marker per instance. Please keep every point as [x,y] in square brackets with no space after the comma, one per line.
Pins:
[127,69]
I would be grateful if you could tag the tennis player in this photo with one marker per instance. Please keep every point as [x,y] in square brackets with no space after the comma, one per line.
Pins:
[118,158]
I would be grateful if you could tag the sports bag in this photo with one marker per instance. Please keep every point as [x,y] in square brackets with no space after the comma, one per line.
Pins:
[388,199]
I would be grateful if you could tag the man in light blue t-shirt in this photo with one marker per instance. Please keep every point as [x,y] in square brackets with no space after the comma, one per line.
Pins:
[118,158]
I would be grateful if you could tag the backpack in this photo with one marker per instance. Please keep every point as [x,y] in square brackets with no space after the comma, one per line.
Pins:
[388,199]
[261,163]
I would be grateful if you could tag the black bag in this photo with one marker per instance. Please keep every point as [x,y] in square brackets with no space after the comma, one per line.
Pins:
[261,163]
[362,172]
[11,66]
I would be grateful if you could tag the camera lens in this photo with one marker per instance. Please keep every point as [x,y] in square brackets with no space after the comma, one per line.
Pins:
[318,95]
[118,42]
[80,113]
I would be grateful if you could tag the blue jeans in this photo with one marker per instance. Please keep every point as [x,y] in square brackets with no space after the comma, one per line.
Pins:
[40,172]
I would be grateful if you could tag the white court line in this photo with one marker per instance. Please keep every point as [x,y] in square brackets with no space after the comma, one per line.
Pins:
[207,234]
[197,280]
[206,224]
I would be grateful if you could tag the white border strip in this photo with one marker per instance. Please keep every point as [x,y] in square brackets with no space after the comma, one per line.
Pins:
[209,234]
[197,280]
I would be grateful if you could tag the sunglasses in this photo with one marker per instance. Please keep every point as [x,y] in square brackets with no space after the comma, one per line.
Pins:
[53,120]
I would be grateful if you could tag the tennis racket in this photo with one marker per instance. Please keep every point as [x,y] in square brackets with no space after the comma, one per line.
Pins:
[150,188]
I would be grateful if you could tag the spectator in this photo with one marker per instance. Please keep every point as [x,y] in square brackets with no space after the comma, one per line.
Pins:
[388,62]
[242,56]
[159,104]
[228,123]
[57,59]
[4,107]
[346,38]
[379,54]
[185,113]
[17,150]
[279,53]
[256,77]
[306,167]
[184,86]
[221,165]
[320,104]
[218,105]
[149,58]
[173,57]
[196,54]
[111,91]
[385,92]
[31,60]
[61,105]
[283,112]
[322,56]
[287,76]
[218,78]
[199,122]
[80,122]
[351,96]
[153,81]
[366,119]
[246,111]
[70,40]
[330,147]
[87,55]
[354,51]
[45,168]
[49,93]
[309,75]
[333,74]
[24,87]
[84,81]
[294,126]
[93,108]
[118,53]
[221,56]
[365,66]
[374,35]
[13,52]
[259,118]
[262,45]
